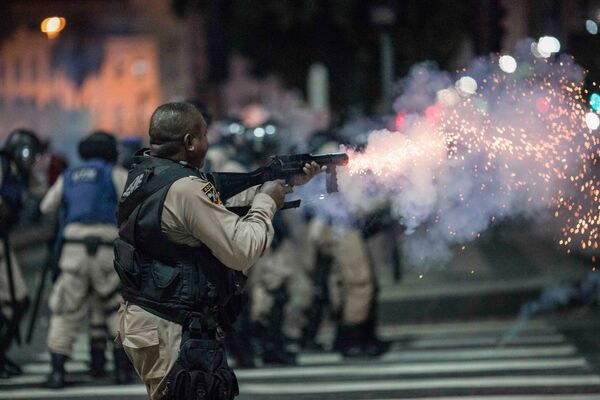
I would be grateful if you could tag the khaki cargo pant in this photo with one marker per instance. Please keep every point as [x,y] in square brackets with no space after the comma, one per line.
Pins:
[21,291]
[84,278]
[350,258]
[282,266]
[151,343]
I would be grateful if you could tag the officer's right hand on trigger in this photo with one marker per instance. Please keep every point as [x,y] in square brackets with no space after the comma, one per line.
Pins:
[276,189]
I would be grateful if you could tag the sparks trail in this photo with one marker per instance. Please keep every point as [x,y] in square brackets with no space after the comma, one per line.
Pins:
[519,144]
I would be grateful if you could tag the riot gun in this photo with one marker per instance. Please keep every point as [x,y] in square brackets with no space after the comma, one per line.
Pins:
[279,167]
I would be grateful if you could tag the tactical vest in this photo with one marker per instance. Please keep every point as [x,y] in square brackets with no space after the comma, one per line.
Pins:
[170,280]
[89,195]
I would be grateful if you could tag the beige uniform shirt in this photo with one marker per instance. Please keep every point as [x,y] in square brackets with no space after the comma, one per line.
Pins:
[192,215]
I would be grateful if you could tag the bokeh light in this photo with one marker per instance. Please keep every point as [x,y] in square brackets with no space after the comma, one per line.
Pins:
[591,27]
[507,64]
[595,101]
[52,26]
[548,45]
[592,121]
[466,86]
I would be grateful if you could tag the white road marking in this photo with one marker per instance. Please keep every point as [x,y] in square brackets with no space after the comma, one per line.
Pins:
[420,384]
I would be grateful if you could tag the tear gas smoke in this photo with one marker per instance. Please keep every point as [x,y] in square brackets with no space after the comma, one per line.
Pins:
[508,145]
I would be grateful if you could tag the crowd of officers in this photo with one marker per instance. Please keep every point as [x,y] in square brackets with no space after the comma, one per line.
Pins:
[316,265]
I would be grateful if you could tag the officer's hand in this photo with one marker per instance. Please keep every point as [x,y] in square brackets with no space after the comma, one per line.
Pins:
[310,170]
[276,189]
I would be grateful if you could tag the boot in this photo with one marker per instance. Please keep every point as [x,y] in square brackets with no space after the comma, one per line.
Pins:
[122,367]
[12,367]
[56,379]
[97,358]
[357,340]
[348,340]
[273,339]
[372,345]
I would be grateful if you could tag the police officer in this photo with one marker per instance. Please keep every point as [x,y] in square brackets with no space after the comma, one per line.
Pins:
[338,239]
[16,161]
[86,197]
[179,254]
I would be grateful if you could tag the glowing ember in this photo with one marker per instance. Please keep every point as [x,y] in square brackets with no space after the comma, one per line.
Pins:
[509,146]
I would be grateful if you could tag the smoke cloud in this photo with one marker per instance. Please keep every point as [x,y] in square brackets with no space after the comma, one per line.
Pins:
[476,147]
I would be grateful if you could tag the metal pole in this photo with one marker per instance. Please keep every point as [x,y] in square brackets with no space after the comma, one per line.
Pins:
[387,69]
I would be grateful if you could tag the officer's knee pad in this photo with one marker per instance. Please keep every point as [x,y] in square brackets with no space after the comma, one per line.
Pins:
[201,373]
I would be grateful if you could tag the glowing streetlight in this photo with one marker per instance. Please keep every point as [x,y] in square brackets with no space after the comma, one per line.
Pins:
[52,26]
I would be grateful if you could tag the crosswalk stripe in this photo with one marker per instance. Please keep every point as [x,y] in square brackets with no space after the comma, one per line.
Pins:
[450,354]
[411,369]
[485,352]
[347,370]
[451,328]
[420,384]
[513,397]
[338,387]
[92,392]
[481,341]
[81,352]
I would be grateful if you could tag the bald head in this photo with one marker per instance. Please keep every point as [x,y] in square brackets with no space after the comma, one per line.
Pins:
[178,131]
[169,124]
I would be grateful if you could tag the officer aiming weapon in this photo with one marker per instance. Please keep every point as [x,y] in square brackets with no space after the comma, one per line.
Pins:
[279,167]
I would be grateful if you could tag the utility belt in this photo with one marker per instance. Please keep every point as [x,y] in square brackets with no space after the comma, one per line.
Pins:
[91,243]
[201,371]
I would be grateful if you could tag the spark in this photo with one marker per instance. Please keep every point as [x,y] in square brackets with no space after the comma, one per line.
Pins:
[532,135]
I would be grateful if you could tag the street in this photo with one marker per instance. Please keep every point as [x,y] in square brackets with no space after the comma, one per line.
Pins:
[553,358]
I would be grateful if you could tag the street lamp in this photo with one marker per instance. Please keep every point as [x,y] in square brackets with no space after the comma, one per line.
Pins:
[52,26]
[383,17]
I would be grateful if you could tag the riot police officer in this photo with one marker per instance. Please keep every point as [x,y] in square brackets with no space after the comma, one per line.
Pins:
[86,197]
[179,254]
[16,161]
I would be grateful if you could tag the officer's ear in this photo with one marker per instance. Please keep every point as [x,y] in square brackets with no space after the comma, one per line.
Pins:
[188,142]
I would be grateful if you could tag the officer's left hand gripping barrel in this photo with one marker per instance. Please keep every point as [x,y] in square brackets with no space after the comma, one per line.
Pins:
[280,167]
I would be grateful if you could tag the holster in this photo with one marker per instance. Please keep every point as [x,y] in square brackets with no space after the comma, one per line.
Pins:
[201,371]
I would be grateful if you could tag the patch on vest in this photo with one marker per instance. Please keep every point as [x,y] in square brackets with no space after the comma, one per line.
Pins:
[133,186]
[211,192]
[84,175]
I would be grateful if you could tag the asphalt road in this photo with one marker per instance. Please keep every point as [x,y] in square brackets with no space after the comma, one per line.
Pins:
[552,358]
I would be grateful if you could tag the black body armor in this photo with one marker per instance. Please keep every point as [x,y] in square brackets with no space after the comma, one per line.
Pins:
[183,284]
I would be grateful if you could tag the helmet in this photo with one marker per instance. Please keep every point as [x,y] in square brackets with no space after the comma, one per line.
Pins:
[262,141]
[23,146]
[101,145]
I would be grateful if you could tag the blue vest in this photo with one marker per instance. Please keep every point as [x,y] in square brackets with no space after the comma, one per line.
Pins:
[89,195]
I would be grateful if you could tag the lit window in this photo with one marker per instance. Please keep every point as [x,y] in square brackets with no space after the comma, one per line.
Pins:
[139,67]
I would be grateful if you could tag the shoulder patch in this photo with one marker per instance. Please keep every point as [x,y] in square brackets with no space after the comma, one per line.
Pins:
[137,182]
[211,192]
